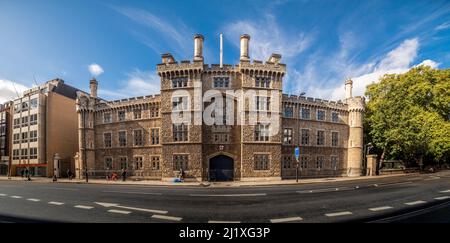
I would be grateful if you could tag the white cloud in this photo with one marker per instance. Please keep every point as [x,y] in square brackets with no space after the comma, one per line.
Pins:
[95,69]
[397,61]
[429,63]
[443,26]
[176,34]
[8,90]
[138,83]
[267,37]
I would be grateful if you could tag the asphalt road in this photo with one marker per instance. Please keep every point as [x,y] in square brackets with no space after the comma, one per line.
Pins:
[414,198]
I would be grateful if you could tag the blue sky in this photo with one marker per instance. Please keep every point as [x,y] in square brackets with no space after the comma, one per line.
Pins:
[322,42]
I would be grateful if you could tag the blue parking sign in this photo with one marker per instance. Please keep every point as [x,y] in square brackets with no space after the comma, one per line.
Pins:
[297,153]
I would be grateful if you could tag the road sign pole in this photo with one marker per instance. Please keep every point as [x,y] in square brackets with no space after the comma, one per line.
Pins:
[297,155]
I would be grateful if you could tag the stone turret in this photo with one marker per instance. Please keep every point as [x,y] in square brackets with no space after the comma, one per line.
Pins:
[348,88]
[356,107]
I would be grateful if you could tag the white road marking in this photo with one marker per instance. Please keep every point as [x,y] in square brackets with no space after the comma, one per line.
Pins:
[229,195]
[380,208]
[432,178]
[119,211]
[283,220]
[34,199]
[108,205]
[442,198]
[393,184]
[223,222]
[16,196]
[338,214]
[83,207]
[3,195]
[415,203]
[328,190]
[143,193]
[60,188]
[440,191]
[56,203]
[156,216]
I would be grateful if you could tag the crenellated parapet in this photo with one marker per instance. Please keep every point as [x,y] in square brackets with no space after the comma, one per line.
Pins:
[142,102]
[173,69]
[259,68]
[314,102]
[356,103]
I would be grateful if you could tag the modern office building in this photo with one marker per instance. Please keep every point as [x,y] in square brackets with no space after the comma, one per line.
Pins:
[5,130]
[220,122]
[44,129]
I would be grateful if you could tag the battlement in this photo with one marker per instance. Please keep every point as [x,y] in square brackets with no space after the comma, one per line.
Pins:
[356,103]
[184,65]
[257,65]
[303,100]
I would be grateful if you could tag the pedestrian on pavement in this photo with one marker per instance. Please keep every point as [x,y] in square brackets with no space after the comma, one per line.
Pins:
[22,172]
[54,176]
[26,172]
[124,174]
[69,174]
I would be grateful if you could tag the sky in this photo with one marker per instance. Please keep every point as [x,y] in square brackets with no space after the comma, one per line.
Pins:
[323,43]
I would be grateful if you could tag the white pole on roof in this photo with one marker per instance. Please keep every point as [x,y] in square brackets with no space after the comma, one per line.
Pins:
[221,51]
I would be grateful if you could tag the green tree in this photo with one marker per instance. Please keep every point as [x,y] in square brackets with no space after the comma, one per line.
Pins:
[408,115]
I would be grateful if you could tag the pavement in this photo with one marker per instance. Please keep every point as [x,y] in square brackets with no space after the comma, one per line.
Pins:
[369,199]
[203,183]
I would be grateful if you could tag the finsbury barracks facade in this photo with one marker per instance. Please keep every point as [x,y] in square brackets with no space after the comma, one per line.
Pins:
[220,122]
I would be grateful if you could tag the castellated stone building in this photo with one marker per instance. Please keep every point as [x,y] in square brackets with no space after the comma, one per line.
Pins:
[254,131]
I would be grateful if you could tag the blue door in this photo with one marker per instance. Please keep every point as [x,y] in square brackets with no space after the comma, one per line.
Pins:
[221,168]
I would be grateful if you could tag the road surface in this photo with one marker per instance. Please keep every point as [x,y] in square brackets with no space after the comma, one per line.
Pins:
[413,198]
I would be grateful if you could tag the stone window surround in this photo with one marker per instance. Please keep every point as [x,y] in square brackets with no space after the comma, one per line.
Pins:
[213,84]
[301,113]
[104,142]
[292,135]
[112,162]
[104,118]
[269,156]
[134,162]
[304,165]
[186,131]
[291,161]
[331,143]
[159,136]
[126,138]
[324,137]
[309,136]
[187,162]
[142,140]
[324,115]
[126,161]
[180,107]
[338,115]
[317,162]
[159,162]
[124,115]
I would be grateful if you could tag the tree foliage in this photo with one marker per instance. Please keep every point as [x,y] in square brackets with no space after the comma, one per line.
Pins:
[408,115]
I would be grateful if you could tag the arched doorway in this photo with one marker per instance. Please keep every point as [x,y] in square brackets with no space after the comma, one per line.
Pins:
[221,168]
